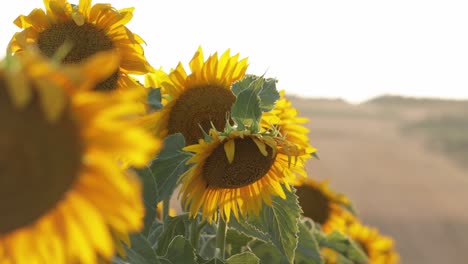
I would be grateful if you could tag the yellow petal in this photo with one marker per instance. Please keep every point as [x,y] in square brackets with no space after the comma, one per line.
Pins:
[229,148]
[261,146]
[52,99]
[19,90]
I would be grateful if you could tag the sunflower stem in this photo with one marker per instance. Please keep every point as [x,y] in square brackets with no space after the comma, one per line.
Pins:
[221,238]
[194,234]
[165,211]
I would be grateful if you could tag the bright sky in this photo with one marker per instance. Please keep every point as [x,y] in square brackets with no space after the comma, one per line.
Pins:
[334,48]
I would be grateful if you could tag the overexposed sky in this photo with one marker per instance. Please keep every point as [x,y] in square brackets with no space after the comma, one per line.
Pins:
[335,48]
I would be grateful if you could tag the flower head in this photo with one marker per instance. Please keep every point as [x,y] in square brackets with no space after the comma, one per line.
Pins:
[74,33]
[235,173]
[58,170]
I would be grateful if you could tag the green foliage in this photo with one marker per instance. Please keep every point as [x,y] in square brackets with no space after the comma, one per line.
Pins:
[254,96]
[141,251]
[155,232]
[277,224]
[180,251]
[160,178]
[154,99]
[169,165]
[236,241]
[343,245]
[264,88]
[150,197]
[268,94]
[173,226]
[246,110]
[307,251]
[267,252]
[243,258]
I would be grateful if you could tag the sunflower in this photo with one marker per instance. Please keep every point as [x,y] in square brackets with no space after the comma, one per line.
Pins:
[322,205]
[289,123]
[198,99]
[59,177]
[235,172]
[380,249]
[85,30]
[285,117]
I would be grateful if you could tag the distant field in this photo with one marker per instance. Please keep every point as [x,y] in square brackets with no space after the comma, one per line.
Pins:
[400,162]
[441,124]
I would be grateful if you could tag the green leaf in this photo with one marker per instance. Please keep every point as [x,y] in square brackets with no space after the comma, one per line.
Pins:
[155,232]
[140,251]
[213,261]
[243,258]
[173,226]
[264,88]
[277,224]
[267,252]
[235,241]
[118,260]
[342,260]
[343,245]
[207,245]
[307,251]
[243,84]
[248,229]
[246,110]
[154,98]
[268,95]
[169,165]
[150,197]
[180,251]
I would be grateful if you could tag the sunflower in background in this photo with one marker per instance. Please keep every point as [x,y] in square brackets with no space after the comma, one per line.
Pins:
[285,117]
[59,177]
[236,172]
[84,30]
[379,248]
[196,100]
[323,205]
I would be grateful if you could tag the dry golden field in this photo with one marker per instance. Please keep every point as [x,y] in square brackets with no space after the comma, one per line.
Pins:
[404,176]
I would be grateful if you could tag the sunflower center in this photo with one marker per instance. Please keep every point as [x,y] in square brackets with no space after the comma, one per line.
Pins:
[39,162]
[248,166]
[314,203]
[86,40]
[200,107]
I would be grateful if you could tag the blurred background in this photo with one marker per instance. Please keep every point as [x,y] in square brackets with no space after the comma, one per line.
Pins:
[403,162]
[384,84]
